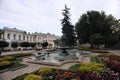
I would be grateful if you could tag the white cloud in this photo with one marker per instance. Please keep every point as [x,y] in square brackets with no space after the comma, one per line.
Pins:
[44,16]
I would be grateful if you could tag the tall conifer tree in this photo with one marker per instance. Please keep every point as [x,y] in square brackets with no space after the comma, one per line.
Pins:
[68,37]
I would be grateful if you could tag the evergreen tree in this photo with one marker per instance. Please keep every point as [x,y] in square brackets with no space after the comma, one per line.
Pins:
[68,38]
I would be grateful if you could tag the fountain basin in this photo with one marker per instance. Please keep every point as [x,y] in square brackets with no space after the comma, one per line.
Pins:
[55,59]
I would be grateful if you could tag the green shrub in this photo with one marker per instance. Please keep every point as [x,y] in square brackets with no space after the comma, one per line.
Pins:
[32,77]
[45,70]
[89,67]
[5,64]
[23,54]
[6,58]
[21,77]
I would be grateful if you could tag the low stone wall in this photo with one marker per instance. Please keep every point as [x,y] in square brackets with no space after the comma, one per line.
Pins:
[53,64]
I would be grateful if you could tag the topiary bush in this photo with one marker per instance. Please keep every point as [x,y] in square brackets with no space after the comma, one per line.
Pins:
[32,77]
[5,64]
[45,70]
[21,77]
[90,67]
[23,54]
[7,58]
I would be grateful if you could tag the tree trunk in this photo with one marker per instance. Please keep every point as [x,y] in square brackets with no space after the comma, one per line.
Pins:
[91,46]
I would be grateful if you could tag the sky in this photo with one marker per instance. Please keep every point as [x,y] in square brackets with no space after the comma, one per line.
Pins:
[44,15]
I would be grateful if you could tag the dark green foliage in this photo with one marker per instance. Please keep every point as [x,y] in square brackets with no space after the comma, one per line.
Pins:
[21,77]
[110,40]
[6,58]
[5,64]
[32,44]
[96,40]
[14,44]
[57,42]
[96,24]
[68,38]
[25,44]
[3,44]
[45,44]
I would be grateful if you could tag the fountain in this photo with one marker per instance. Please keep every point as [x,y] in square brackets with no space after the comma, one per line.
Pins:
[64,51]
[58,58]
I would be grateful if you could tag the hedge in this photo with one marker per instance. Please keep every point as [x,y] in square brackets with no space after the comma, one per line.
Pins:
[5,64]
[7,58]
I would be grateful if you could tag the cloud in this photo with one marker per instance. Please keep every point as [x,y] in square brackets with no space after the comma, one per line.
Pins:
[44,16]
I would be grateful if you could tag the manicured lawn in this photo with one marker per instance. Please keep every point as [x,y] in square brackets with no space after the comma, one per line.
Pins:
[15,59]
[74,67]
[17,63]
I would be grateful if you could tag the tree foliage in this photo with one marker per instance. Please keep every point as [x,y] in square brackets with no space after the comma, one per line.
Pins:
[25,44]
[3,44]
[57,42]
[96,40]
[32,44]
[14,44]
[45,44]
[92,23]
[68,37]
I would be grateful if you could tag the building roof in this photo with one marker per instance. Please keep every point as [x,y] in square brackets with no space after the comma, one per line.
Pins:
[12,29]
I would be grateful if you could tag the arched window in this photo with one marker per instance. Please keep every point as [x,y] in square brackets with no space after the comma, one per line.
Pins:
[19,37]
[14,36]
[8,36]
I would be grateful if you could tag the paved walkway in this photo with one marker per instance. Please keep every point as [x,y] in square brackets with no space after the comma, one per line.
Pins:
[15,52]
[115,51]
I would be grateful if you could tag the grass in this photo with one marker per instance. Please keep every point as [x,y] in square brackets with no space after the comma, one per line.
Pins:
[74,67]
[16,65]
[21,77]
[96,59]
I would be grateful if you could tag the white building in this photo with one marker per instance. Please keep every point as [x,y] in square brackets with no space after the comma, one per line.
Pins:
[14,35]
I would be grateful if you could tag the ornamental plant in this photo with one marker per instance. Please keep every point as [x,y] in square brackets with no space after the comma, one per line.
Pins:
[6,58]
[3,63]
[32,77]
[90,67]
[45,70]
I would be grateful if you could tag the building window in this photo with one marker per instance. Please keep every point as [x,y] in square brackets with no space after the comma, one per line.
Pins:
[30,38]
[27,38]
[19,37]
[24,38]
[38,38]
[0,36]
[34,38]
[14,37]
[8,36]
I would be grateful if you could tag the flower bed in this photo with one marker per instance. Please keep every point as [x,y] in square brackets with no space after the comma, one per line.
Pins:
[112,61]
[59,74]
[100,51]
